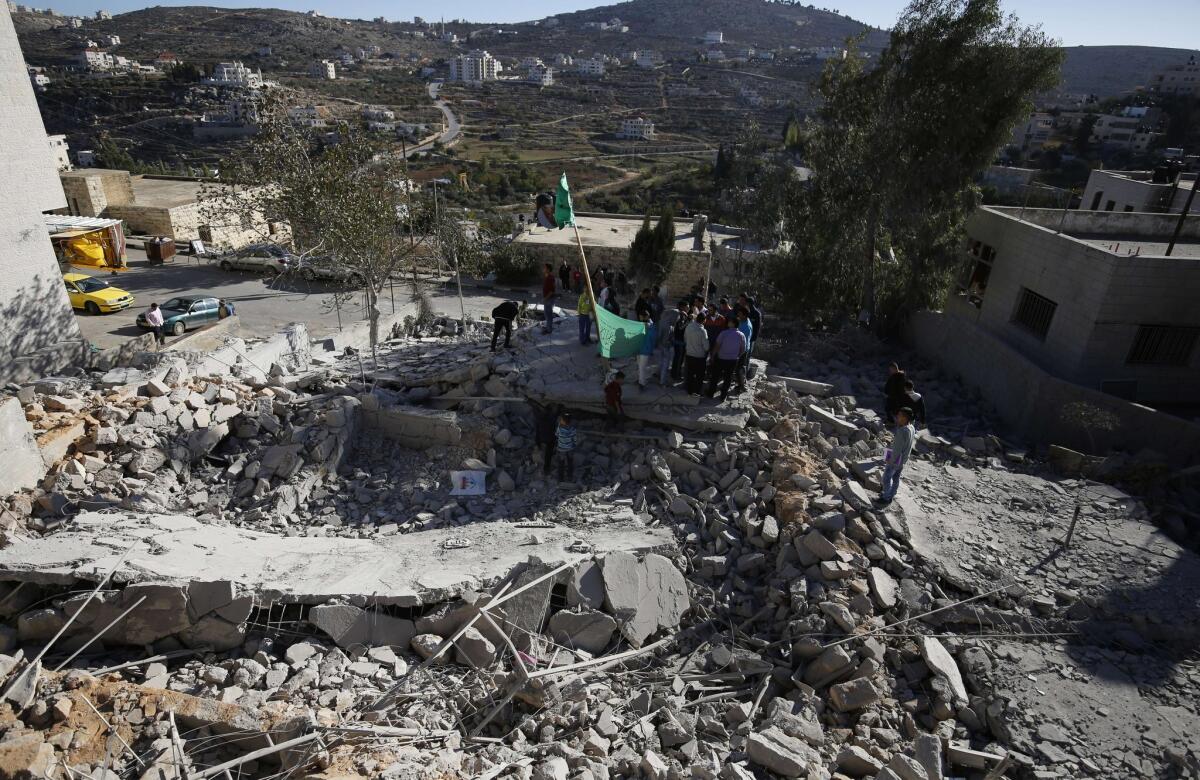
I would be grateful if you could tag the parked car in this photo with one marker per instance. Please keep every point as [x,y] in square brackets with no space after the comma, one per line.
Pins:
[180,314]
[326,267]
[95,295]
[263,258]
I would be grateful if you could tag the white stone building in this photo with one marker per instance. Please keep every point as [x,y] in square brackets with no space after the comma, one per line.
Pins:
[234,74]
[474,67]
[636,128]
[60,152]
[715,36]
[592,67]
[110,40]
[94,59]
[39,326]
[1137,191]
[541,76]
[378,114]
[101,15]
[323,69]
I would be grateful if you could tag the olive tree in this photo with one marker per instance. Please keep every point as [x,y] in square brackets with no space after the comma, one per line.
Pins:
[345,198]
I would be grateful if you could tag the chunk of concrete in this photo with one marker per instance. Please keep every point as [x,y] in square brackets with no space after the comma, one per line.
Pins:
[586,586]
[23,464]
[474,649]
[348,625]
[590,631]
[853,695]
[941,663]
[785,756]
[884,589]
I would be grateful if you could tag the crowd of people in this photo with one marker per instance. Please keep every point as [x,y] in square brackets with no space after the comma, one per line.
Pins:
[703,343]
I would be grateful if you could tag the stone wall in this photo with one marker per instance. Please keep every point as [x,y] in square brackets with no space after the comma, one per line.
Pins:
[23,465]
[412,426]
[36,321]
[1031,400]
[89,191]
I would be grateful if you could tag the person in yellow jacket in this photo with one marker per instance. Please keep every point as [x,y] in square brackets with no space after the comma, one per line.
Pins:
[584,307]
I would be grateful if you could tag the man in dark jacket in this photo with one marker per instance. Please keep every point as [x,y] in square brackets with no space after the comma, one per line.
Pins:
[504,315]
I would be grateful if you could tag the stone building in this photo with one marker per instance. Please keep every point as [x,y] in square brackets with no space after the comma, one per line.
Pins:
[1089,297]
[160,206]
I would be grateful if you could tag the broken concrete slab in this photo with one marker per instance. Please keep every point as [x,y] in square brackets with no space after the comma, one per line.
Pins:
[805,386]
[23,464]
[407,570]
[785,756]
[589,630]
[941,663]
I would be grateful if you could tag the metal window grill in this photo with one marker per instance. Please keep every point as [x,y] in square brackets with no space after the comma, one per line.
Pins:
[1163,345]
[1034,313]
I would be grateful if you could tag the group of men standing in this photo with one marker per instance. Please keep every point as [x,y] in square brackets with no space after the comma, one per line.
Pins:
[695,340]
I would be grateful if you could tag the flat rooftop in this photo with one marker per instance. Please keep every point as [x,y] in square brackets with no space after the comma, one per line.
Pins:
[164,192]
[616,232]
[1135,245]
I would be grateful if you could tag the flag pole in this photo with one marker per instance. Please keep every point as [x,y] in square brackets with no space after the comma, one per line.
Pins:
[587,276]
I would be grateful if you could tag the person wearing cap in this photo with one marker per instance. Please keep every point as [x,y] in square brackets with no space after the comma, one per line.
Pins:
[904,437]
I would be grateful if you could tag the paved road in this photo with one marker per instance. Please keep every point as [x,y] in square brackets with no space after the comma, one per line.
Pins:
[264,304]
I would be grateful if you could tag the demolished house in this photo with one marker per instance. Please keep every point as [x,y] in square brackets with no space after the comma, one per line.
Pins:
[248,573]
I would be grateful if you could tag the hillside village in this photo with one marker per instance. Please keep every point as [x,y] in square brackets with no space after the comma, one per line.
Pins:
[656,390]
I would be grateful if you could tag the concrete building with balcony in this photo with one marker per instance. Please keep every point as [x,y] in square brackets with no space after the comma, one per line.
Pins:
[1138,191]
[475,67]
[40,335]
[1031,135]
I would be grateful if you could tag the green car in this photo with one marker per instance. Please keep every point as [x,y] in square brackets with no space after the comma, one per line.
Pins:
[180,314]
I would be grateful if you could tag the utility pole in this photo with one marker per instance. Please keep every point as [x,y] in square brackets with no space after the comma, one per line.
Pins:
[1187,207]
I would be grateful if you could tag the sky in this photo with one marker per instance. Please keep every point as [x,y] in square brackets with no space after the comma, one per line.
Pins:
[1171,23]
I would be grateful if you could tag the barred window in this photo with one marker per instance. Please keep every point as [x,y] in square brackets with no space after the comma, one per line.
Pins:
[1034,313]
[1163,345]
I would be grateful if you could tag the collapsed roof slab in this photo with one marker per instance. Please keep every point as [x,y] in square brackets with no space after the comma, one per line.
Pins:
[558,369]
[407,570]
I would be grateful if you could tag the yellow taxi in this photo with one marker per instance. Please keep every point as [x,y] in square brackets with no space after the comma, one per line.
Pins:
[95,295]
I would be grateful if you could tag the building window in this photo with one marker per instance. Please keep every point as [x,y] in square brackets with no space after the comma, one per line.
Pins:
[1112,204]
[1096,200]
[1034,313]
[981,257]
[1162,345]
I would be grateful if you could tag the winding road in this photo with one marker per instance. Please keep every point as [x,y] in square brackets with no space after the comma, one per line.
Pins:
[453,126]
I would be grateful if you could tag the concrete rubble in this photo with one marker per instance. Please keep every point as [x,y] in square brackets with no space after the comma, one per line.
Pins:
[294,588]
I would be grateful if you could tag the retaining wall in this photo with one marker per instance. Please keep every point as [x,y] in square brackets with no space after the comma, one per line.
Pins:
[412,426]
[1032,401]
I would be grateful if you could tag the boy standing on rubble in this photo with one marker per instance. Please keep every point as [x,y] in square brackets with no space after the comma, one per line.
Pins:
[903,438]
[566,437]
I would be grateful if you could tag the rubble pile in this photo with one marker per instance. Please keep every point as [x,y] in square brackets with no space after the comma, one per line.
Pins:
[795,629]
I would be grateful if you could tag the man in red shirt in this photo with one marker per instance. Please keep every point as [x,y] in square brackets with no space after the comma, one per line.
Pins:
[549,286]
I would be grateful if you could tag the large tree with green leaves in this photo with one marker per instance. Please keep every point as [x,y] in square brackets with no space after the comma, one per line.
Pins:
[895,150]
[349,201]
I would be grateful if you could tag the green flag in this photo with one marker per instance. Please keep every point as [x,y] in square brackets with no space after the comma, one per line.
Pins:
[564,213]
[619,337]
